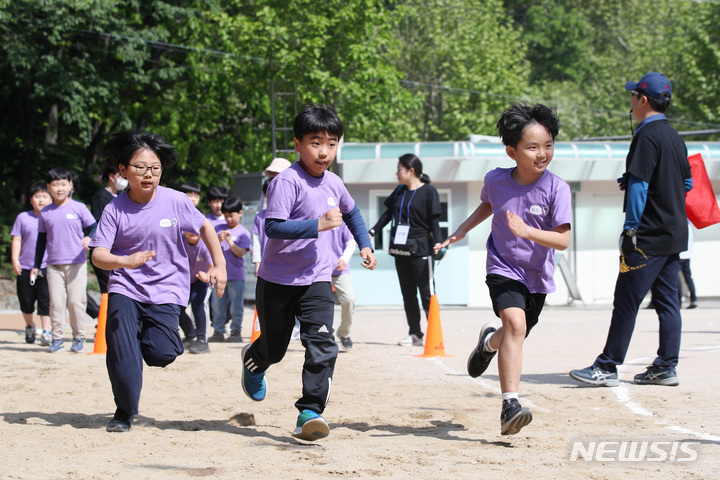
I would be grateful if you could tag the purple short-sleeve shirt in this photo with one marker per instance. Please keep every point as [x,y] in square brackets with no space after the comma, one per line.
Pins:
[64,226]
[127,227]
[235,265]
[297,195]
[26,227]
[545,205]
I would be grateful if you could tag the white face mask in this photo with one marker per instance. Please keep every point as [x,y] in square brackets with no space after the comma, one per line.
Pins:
[121,183]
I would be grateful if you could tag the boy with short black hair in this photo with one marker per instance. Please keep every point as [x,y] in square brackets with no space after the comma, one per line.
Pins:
[216,197]
[531,219]
[304,202]
[195,328]
[65,228]
[31,289]
[235,242]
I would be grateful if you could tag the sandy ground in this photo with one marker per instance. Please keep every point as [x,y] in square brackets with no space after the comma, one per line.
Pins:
[392,415]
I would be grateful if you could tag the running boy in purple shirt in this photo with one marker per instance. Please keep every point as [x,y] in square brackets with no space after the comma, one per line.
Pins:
[22,252]
[235,242]
[140,238]
[531,219]
[65,228]
[304,202]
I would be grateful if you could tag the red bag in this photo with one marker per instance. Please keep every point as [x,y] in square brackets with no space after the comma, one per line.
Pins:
[700,203]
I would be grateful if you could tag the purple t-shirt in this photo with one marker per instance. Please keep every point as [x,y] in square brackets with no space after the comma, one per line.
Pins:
[297,195]
[545,205]
[64,227]
[235,265]
[26,227]
[215,221]
[199,259]
[340,236]
[127,227]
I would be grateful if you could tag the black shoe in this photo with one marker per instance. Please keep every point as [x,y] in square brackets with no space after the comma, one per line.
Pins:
[200,345]
[217,337]
[658,376]
[514,416]
[346,343]
[117,426]
[187,342]
[692,305]
[234,337]
[479,358]
[30,334]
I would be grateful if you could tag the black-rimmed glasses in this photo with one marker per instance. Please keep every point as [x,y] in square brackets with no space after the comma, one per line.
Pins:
[156,170]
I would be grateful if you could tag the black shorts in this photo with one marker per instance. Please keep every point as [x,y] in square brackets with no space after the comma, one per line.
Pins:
[29,294]
[506,293]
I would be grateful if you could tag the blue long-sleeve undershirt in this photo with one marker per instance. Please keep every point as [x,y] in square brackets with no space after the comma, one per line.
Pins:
[637,191]
[298,229]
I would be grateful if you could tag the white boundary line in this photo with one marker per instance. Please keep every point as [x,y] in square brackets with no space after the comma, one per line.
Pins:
[623,396]
[484,384]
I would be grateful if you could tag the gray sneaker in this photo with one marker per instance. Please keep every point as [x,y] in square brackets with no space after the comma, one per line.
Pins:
[200,345]
[45,339]
[594,375]
[30,334]
[654,375]
[346,343]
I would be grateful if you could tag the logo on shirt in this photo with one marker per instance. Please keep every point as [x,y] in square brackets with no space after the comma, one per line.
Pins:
[333,201]
[167,222]
[234,238]
[71,216]
[538,210]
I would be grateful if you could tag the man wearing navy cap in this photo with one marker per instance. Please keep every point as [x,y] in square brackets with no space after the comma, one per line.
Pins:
[657,175]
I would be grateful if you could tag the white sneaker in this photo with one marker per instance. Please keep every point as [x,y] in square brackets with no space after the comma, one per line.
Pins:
[411,341]
[295,333]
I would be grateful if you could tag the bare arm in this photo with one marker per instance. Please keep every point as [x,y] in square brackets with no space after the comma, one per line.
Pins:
[559,239]
[217,274]
[481,213]
[15,254]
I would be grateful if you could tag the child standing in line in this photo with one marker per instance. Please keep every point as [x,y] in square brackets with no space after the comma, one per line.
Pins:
[216,198]
[22,252]
[140,238]
[304,202]
[195,328]
[531,219]
[65,228]
[235,242]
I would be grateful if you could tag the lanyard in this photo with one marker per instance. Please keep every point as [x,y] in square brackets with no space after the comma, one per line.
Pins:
[402,200]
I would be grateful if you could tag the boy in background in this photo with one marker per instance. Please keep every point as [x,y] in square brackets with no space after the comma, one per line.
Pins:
[195,328]
[304,202]
[531,214]
[65,228]
[22,252]
[216,198]
[235,242]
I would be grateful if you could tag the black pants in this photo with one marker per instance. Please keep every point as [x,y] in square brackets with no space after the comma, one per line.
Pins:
[136,332]
[313,305]
[414,274]
[660,276]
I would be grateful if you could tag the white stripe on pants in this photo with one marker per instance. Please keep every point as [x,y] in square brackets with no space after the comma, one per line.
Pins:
[68,287]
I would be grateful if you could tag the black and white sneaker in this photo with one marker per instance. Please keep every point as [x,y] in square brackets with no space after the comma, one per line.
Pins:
[513,417]
[346,343]
[30,334]
[658,376]
[479,358]
[594,375]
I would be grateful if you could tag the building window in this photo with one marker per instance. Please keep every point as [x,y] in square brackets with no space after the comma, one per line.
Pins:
[381,241]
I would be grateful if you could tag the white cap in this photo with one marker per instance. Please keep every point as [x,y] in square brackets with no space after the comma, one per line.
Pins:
[277,165]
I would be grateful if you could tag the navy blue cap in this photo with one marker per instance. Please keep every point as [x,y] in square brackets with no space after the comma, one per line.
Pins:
[653,84]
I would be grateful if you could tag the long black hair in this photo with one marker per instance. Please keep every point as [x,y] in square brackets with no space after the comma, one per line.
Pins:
[409,161]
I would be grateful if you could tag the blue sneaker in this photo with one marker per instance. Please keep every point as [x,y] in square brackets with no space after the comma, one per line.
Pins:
[77,345]
[594,375]
[56,346]
[311,426]
[253,384]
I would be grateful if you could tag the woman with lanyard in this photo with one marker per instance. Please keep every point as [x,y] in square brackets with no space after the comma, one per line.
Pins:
[414,208]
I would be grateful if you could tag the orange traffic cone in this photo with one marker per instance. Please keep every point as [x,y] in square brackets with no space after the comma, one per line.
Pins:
[100,345]
[434,346]
[256,328]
